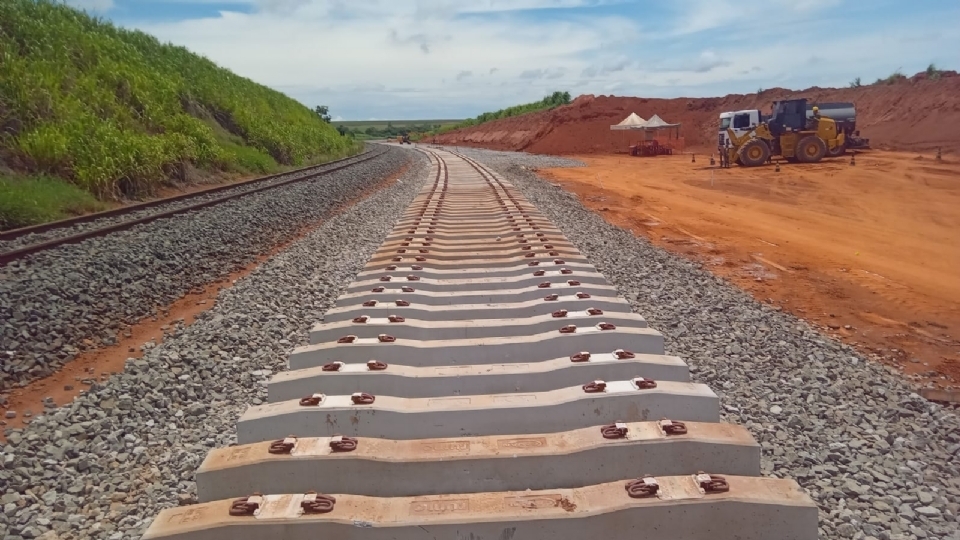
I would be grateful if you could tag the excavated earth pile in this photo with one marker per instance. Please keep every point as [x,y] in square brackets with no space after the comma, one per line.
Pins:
[914,114]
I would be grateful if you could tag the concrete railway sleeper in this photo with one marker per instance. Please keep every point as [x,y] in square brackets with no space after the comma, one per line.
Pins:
[378,377]
[481,379]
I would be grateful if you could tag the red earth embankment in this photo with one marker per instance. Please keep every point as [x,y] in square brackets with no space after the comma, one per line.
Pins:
[913,114]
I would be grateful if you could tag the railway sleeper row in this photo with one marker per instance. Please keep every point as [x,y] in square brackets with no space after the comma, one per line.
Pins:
[481,379]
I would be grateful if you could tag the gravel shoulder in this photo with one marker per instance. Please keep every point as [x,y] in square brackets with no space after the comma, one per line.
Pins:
[104,466]
[56,304]
[881,462]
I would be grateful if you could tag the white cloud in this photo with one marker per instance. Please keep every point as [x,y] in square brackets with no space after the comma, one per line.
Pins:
[447,58]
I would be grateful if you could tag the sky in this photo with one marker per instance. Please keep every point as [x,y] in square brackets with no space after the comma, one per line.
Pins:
[420,59]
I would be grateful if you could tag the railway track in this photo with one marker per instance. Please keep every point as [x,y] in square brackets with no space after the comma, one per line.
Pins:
[18,243]
[480,379]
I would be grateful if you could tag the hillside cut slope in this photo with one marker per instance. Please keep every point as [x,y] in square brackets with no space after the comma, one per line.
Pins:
[912,114]
[118,113]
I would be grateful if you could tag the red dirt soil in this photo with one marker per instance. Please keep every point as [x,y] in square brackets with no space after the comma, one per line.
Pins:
[914,114]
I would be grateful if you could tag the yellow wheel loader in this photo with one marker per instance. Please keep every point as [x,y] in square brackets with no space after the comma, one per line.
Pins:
[787,133]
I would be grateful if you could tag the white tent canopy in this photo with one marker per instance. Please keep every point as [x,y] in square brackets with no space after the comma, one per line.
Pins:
[631,122]
[656,122]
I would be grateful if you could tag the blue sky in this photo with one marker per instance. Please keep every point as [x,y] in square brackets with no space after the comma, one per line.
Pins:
[409,59]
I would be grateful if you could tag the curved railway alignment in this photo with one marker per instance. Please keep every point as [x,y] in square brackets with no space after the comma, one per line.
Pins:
[481,379]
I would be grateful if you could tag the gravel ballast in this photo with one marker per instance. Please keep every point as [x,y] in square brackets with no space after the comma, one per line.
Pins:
[105,465]
[881,462]
[62,232]
[57,303]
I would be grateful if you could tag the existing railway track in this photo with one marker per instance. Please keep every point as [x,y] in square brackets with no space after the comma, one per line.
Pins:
[466,385]
[19,243]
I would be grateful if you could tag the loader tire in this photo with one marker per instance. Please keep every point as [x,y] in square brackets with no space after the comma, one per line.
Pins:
[837,151]
[811,149]
[753,153]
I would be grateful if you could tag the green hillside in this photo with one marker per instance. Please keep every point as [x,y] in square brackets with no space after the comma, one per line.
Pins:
[117,113]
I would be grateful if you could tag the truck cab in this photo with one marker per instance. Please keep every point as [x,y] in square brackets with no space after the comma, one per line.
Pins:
[740,121]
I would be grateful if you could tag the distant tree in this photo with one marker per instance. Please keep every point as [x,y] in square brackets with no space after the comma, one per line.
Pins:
[855,83]
[932,72]
[341,130]
[323,112]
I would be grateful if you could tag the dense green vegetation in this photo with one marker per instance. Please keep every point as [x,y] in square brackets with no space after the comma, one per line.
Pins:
[380,129]
[549,102]
[117,113]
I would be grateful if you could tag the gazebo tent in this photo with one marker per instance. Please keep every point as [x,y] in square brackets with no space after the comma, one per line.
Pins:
[631,122]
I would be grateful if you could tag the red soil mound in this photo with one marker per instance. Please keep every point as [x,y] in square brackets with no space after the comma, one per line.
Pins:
[912,114]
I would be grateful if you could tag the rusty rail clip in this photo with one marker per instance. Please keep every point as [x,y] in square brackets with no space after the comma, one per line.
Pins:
[556,261]
[582,295]
[544,285]
[340,443]
[548,246]
[332,366]
[420,259]
[401,251]
[614,431]
[540,273]
[416,267]
[645,384]
[361,319]
[569,329]
[397,259]
[712,483]
[377,289]
[396,319]
[407,289]
[314,503]
[282,446]
[533,263]
[362,398]
[642,487]
[311,401]
[672,427]
[386,278]
[525,248]
[402,303]
[594,311]
[594,387]
[405,244]
[573,283]
[412,277]
[566,271]
[347,339]
[551,297]
[370,303]
[392,267]
[559,313]
[623,355]
[531,254]
[607,326]
[246,506]
[386,338]
[376,365]
[580,357]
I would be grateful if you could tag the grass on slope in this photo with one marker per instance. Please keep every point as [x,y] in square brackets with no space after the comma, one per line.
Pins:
[25,201]
[117,113]
[549,102]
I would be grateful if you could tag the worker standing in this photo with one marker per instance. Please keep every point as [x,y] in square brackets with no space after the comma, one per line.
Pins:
[814,120]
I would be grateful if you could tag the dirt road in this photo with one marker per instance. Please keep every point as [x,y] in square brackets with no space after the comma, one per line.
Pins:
[871,252]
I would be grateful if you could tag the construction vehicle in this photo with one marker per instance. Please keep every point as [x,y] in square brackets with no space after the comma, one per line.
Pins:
[750,139]
[844,113]
[403,139]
